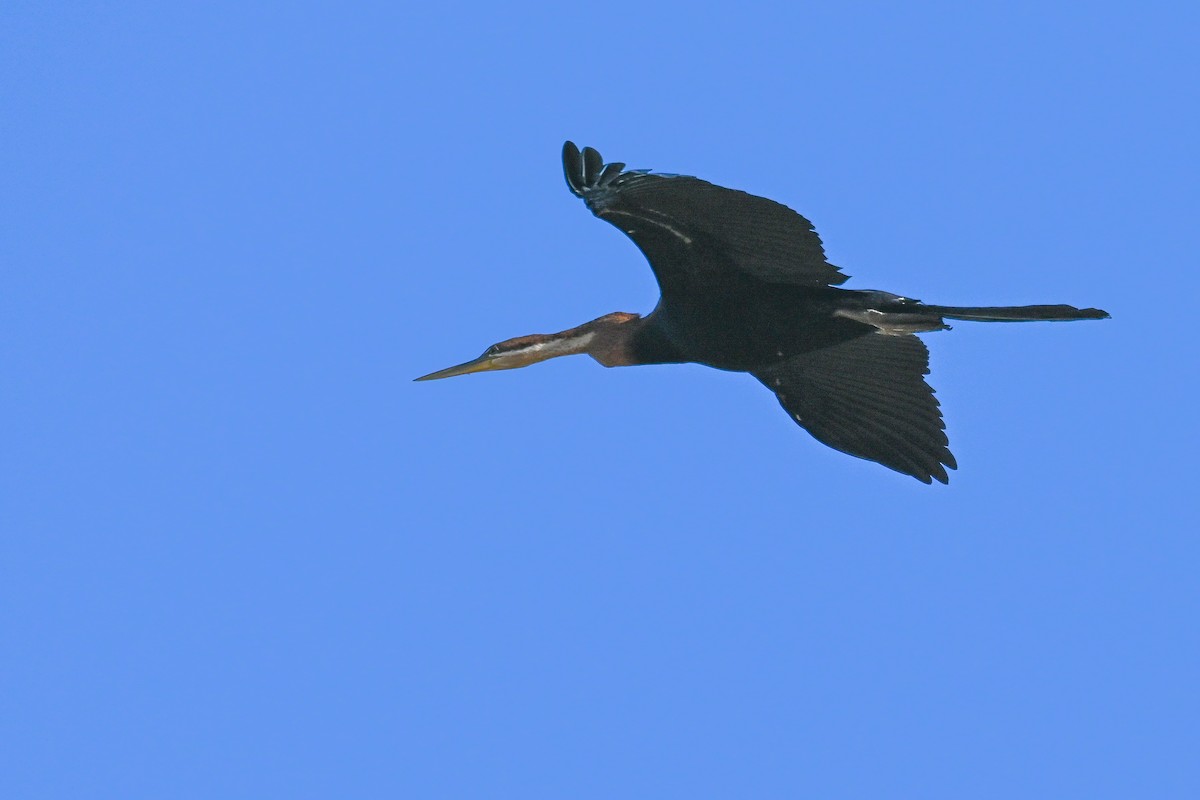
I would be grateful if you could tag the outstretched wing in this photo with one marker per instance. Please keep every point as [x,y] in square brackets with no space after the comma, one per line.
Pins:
[868,397]
[683,223]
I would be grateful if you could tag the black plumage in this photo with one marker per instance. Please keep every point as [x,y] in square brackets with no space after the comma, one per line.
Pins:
[745,286]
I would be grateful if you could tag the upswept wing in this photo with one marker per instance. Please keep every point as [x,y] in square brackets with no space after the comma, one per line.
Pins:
[683,223]
[868,397]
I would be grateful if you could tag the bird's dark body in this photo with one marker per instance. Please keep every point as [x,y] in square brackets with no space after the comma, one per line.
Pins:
[746,287]
[742,325]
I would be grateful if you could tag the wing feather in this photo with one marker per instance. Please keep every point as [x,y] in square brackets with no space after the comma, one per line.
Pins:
[868,397]
[685,224]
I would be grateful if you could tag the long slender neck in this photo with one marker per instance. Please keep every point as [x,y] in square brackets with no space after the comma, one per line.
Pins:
[619,339]
[622,340]
[609,339]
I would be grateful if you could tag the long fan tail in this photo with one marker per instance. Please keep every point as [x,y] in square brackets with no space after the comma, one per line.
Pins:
[1056,313]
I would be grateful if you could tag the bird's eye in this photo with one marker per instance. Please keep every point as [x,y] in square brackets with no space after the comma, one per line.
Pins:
[493,350]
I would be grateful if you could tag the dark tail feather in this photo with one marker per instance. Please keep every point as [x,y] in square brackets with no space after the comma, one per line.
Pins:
[1015,313]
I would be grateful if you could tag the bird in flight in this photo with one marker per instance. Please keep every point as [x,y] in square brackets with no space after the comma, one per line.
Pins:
[745,287]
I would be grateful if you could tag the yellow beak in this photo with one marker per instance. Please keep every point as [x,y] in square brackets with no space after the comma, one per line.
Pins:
[481,364]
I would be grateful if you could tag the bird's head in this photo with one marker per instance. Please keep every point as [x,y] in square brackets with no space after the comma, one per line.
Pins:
[598,338]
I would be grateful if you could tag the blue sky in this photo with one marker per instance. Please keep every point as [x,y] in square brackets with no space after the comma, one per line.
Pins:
[245,556]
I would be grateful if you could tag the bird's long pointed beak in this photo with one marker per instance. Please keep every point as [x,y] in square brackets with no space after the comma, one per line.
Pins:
[481,364]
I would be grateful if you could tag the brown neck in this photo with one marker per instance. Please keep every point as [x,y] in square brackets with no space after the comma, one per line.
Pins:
[611,340]
[608,339]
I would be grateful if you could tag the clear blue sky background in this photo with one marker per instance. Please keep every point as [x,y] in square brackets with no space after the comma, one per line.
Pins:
[244,556]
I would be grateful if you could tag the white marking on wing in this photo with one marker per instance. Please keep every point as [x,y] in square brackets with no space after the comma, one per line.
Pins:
[661,223]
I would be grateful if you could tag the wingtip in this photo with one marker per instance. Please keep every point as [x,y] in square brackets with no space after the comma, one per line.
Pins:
[593,165]
[585,169]
[573,168]
[928,477]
